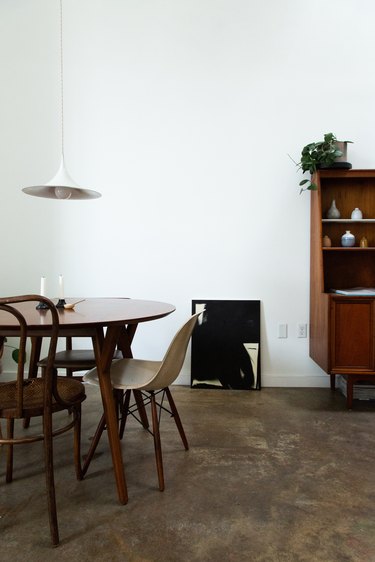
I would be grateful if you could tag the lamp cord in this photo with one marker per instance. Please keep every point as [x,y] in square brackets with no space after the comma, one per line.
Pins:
[62,79]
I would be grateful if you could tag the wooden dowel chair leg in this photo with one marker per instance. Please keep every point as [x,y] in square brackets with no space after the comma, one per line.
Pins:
[177,418]
[124,412]
[118,395]
[141,408]
[77,442]
[94,444]
[10,435]
[157,443]
[50,481]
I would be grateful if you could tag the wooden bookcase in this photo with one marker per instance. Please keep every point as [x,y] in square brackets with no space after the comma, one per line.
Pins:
[342,328]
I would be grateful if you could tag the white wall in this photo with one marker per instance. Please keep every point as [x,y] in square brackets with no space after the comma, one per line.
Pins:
[182,114]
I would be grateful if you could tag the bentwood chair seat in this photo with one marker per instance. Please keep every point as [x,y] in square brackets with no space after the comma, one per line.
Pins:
[151,378]
[74,360]
[25,398]
[33,396]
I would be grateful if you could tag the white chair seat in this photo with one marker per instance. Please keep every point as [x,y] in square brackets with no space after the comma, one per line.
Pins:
[128,374]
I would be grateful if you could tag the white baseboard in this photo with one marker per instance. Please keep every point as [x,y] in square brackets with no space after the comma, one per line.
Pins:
[296,381]
[287,381]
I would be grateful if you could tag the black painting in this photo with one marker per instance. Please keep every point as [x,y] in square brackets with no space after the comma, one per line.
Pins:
[225,349]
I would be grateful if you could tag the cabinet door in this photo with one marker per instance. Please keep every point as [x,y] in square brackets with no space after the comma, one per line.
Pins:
[352,334]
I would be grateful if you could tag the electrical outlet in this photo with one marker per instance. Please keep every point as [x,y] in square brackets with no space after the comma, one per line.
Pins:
[302,331]
[282,331]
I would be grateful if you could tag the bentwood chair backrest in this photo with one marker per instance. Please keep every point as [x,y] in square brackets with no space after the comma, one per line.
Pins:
[7,304]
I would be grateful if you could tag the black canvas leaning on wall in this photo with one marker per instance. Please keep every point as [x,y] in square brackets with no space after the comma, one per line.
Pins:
[225,346]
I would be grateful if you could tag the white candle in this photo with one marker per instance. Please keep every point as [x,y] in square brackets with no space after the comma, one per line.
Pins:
[61,287]
[43,286]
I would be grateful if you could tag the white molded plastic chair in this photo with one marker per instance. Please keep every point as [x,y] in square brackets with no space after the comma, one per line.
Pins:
[151,378]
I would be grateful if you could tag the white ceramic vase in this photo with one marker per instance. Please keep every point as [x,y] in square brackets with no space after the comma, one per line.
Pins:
[347,239]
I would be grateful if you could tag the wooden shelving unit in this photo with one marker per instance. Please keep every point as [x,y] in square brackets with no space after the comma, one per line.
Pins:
[342,328]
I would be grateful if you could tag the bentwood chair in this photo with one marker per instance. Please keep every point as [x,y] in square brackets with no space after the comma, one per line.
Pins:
[41,396]
[79,360]
[151,379]
[74,360]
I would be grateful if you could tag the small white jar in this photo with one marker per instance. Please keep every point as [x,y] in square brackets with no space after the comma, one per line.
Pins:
[357,214]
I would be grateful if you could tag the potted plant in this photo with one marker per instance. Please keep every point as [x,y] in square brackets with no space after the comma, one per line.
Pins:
[323,154]
[15,352]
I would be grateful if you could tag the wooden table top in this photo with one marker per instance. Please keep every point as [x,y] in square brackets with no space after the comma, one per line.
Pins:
[91,313]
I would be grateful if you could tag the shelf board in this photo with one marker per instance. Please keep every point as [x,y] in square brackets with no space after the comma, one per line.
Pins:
[348,220]
[353,173]
[348,249]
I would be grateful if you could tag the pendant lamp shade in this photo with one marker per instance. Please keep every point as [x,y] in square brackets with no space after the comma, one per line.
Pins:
[61,186]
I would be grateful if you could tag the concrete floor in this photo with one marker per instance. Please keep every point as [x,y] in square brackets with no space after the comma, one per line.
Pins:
[278,475]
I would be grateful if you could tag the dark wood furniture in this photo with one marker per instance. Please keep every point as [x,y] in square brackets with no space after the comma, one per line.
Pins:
[110,323]
[342,328]
[39,397]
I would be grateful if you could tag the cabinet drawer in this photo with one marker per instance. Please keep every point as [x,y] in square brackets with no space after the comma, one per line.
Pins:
[352,334]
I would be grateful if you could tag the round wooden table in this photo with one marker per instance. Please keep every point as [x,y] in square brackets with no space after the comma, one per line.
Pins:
[111,323]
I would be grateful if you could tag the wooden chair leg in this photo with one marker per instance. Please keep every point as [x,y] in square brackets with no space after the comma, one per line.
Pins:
[118,395]
[157,443]
[177,418]
[94,444]
[50,481]
[10,435]
[36,347]
[77,442]
[69,347]
[124,413]
[141,408]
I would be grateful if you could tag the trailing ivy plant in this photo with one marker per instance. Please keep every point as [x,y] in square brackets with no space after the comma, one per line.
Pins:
[15,352]
[316,155]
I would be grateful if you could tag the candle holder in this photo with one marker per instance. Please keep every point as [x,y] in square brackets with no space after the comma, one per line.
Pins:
[41,306]
[61,303]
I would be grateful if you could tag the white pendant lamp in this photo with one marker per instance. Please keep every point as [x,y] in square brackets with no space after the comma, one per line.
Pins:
[61,186]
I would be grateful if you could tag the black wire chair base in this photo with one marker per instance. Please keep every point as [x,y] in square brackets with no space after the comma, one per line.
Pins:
[125,408]
[133,408]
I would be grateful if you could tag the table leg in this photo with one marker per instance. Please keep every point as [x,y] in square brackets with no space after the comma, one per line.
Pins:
[103,355]
[36,347]
[126,337]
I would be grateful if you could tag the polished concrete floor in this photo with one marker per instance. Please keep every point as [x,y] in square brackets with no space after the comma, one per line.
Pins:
[277,475]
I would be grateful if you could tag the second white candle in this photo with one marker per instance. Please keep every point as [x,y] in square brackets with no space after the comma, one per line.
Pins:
[43,286]
[61,287]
